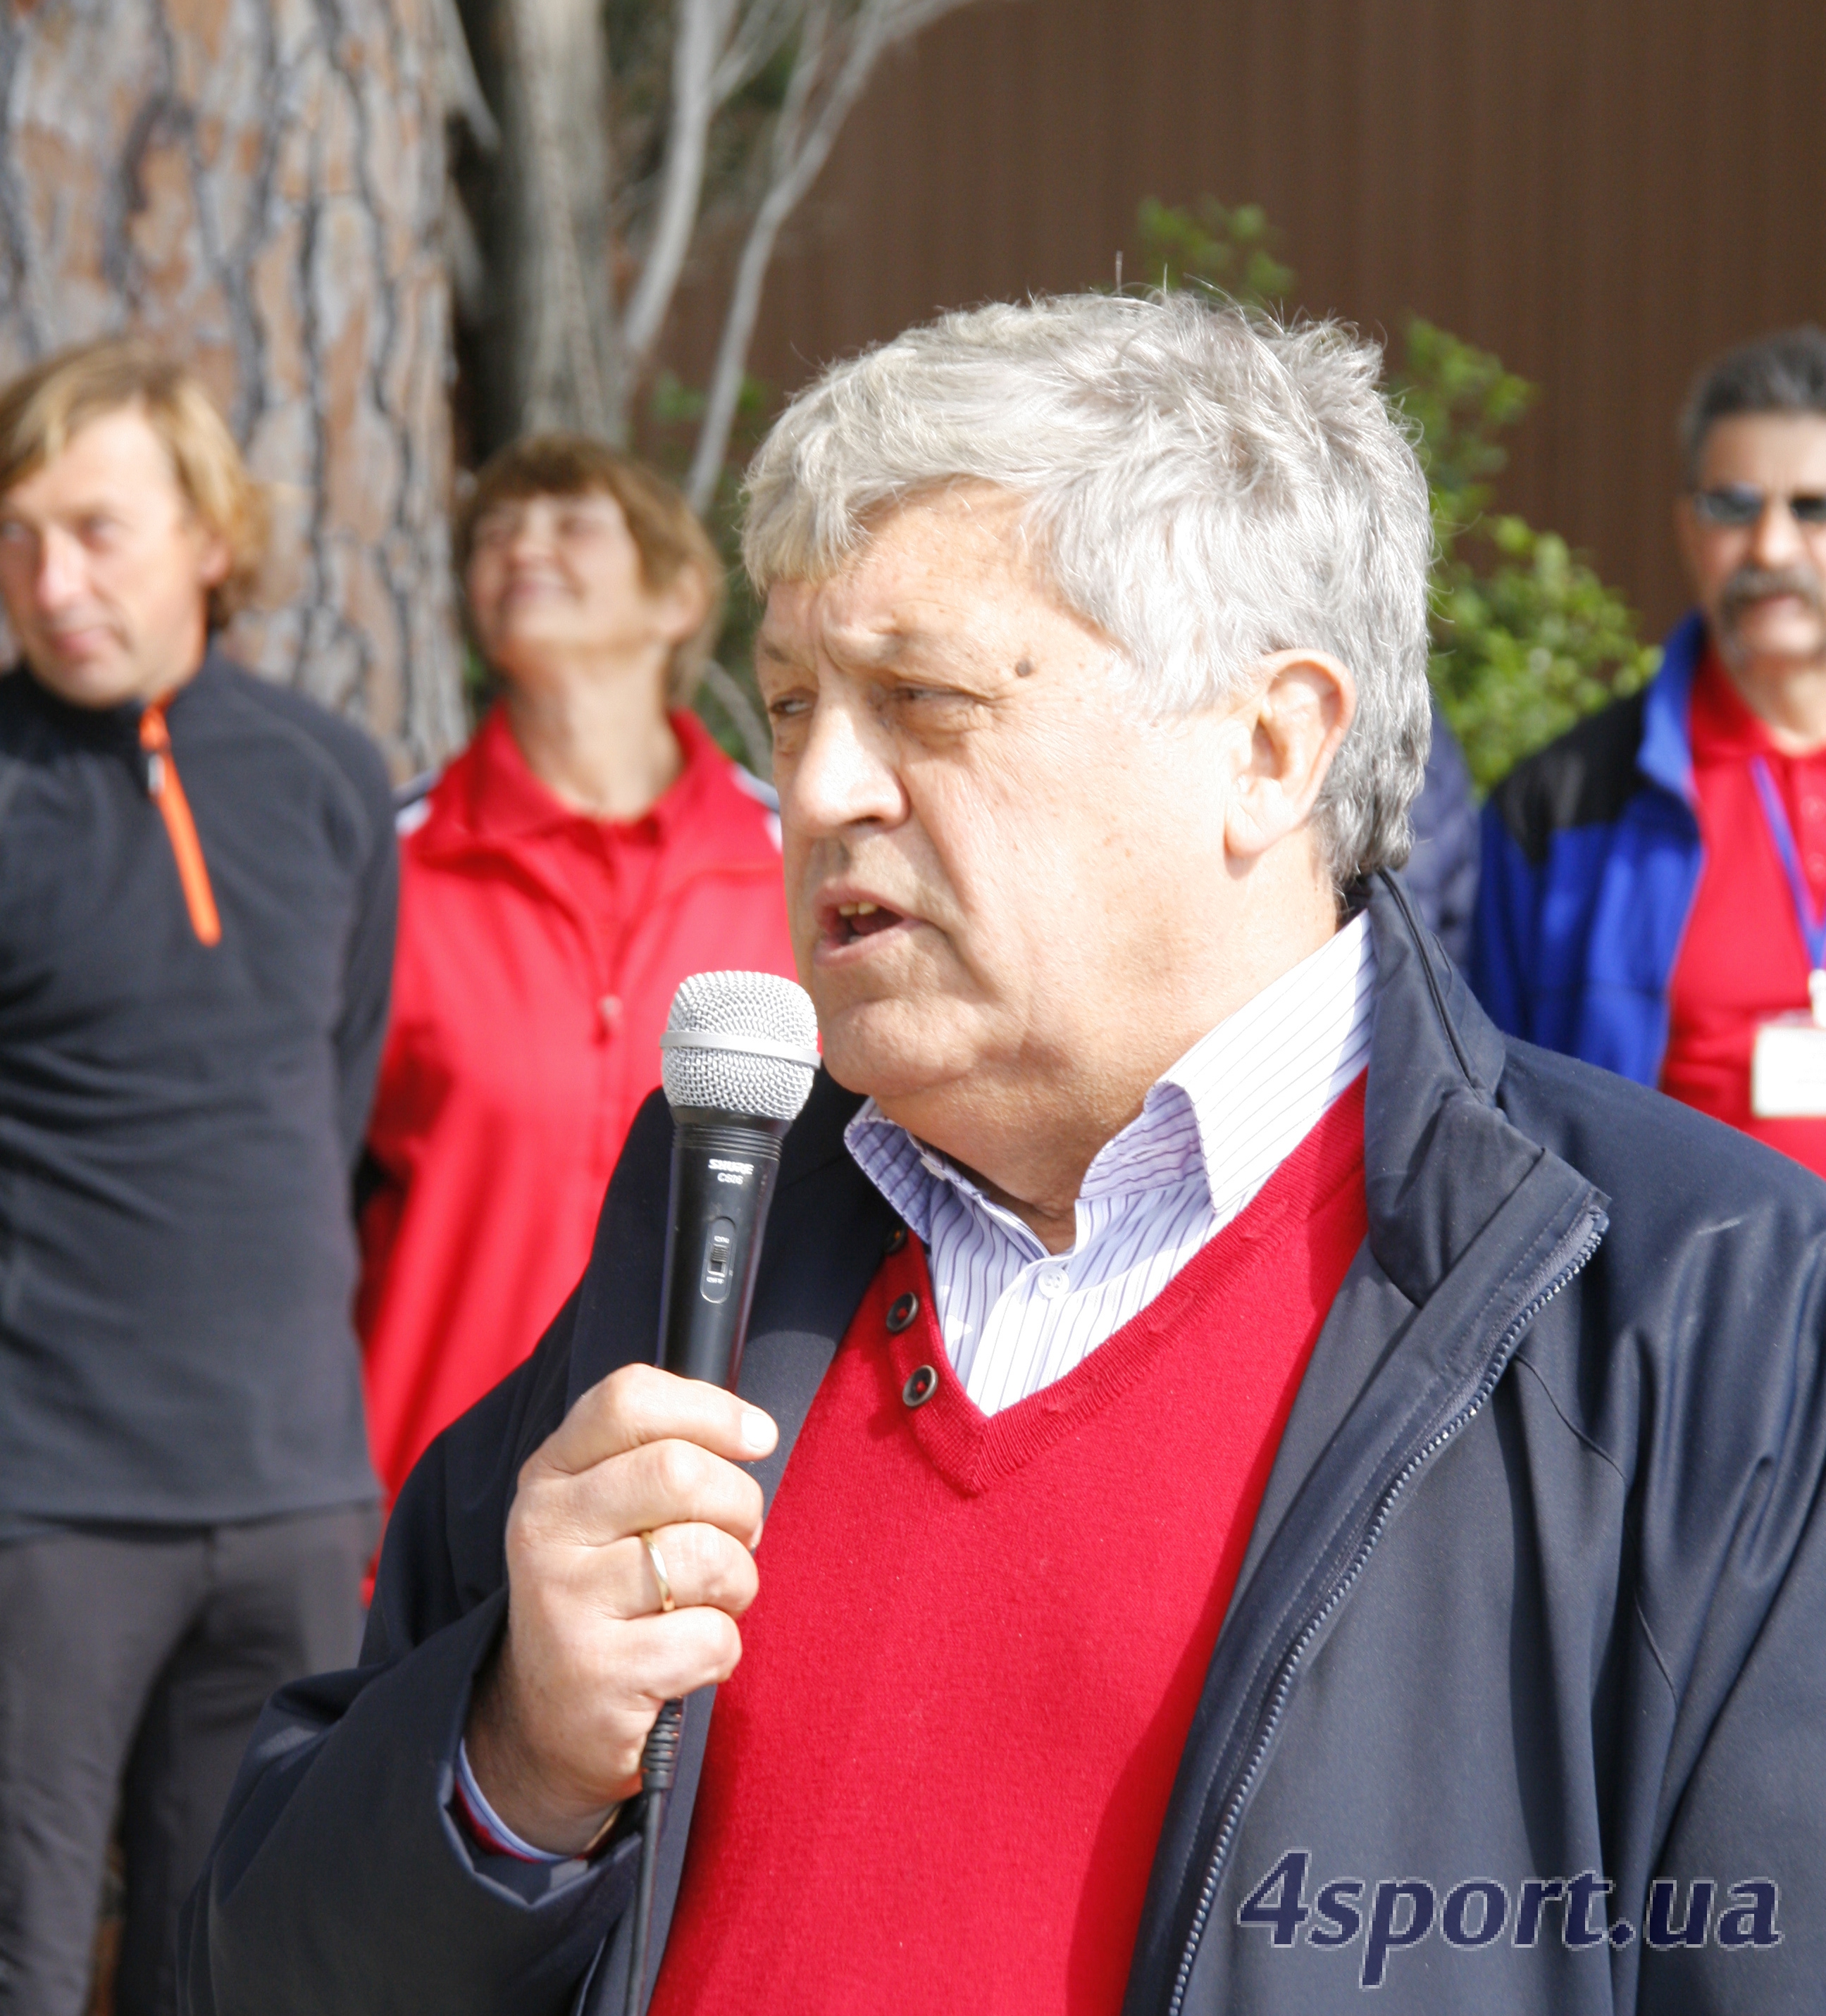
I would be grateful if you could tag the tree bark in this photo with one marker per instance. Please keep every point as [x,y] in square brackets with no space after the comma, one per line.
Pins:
[259,186]
[545,350]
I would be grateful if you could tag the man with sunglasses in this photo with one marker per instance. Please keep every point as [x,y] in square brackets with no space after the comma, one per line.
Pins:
[1653,895]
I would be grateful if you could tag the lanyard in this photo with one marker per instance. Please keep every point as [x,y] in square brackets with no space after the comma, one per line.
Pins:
[1775,815]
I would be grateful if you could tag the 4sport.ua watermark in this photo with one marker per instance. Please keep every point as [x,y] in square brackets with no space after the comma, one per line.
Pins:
[1392,1916]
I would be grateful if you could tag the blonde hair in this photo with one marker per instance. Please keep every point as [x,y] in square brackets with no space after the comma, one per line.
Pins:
[41,411]
[666,531]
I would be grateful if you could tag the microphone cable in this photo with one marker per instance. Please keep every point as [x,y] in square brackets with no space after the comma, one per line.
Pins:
[659,1766]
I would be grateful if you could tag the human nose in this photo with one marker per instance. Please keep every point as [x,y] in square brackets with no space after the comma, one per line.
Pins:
[530,537]
[1776,541]
[60,578]
[844,775]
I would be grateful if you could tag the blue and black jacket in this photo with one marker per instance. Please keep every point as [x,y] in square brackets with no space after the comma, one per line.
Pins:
[1591,855]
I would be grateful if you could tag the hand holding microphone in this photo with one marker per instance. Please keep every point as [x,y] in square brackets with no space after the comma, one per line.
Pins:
[591,1652]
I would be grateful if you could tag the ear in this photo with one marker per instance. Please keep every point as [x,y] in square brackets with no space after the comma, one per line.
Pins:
[214,562]
[1303,706]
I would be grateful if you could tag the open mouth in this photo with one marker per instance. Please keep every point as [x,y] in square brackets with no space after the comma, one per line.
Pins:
[851,921]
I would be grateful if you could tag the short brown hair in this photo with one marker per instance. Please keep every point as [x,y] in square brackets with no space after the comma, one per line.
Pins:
[42,410]
[667,533]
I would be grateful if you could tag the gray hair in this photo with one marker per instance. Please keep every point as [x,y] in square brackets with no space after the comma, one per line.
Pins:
[1207,486]
[1783,373]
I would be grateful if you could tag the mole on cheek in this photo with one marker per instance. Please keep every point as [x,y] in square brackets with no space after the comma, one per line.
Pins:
[1023,668]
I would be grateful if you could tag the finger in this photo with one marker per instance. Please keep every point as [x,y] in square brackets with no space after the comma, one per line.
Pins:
[703,1566]
[596,1706]
[641,1404]
[662,1483]
[614,1676]
[663,1657]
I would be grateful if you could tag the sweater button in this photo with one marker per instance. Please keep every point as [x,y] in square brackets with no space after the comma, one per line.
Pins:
[896,1241]
[922,1383]
[901,1310]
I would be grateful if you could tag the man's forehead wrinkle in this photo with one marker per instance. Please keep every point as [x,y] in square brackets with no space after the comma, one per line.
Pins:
[879,645]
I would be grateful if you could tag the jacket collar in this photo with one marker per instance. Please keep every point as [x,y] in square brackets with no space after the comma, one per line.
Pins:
[1439,1155]
[116,728]
[489,798]
[1473,1225]
[1665,757]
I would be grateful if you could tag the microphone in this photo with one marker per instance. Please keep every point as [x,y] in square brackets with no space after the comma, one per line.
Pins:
[737,1060]
[738,1057]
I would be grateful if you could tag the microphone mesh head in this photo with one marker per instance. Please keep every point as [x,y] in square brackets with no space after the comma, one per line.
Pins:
[760,1006]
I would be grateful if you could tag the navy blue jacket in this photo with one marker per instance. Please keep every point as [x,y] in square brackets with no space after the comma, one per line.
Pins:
[1591,856]
[179,1121]
[1536,1594]
[1441,872]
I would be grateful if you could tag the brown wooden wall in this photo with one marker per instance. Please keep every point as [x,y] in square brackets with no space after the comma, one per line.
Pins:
[1604,192]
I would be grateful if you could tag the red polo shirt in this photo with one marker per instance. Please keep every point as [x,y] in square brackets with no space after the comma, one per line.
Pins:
[1743,958]
[539,952]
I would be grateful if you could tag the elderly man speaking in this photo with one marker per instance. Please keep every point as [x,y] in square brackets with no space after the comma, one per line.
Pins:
[1289,1495]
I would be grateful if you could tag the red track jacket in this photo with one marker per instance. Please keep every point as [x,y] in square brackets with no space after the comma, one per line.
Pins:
[539,952]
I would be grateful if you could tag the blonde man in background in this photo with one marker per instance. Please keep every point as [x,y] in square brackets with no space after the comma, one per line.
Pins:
[197,889]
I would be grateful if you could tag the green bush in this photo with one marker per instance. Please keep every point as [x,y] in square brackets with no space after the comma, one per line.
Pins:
[1526,638]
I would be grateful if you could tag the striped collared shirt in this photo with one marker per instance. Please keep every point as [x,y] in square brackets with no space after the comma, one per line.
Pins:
[1210,1132]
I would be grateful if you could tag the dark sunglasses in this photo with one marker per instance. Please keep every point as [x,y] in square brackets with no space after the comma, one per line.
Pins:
[1737,505]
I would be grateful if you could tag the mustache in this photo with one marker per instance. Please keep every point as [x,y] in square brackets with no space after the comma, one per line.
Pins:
[1755,584]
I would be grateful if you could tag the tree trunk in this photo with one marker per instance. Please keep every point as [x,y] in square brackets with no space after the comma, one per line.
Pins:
[259,186]
[545,350]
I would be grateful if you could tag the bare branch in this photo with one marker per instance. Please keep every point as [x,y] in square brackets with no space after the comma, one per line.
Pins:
[570,346]
[802,142]
[764,25]
[704,27]
[462,92]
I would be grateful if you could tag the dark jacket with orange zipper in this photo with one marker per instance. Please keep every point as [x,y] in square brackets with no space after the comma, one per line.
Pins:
[196,935]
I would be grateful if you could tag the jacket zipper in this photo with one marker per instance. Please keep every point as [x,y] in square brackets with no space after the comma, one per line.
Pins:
[1585,1238]
[167,792]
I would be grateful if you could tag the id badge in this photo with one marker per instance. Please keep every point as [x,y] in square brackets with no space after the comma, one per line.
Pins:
[1787,1069]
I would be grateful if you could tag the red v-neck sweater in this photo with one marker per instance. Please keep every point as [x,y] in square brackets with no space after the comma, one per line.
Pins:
[936,1780]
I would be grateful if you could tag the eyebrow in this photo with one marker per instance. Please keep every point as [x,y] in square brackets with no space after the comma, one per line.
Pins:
[876,650]
[883,647]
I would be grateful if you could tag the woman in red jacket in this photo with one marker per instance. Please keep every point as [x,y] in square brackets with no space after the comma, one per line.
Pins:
[590,848]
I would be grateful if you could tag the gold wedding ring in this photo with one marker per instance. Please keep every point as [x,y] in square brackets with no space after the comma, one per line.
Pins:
[659,1572]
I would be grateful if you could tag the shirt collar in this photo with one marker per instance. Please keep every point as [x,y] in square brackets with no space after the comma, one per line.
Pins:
[1202,1116]
[1722,727]
[506,799]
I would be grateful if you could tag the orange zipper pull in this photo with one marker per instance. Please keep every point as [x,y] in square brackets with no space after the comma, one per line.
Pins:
[167,793]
